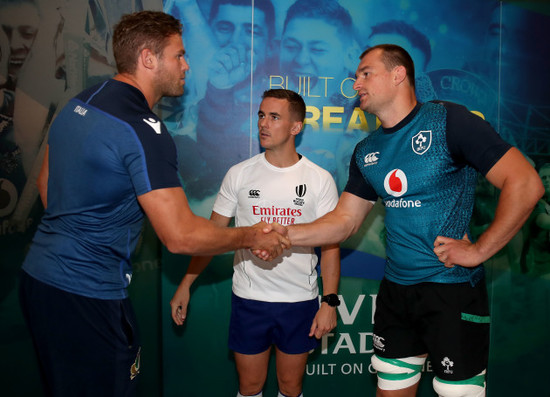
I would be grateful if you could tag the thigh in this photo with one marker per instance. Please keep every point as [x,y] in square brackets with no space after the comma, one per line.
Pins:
[395,334]
[85,347]
[252,370]
[456,329]
[250,326]
[291,367]
[256,325]
[293,323]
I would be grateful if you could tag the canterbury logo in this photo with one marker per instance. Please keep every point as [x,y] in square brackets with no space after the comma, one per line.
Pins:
[371,158]
[253,193]
[301,190]
[154,124]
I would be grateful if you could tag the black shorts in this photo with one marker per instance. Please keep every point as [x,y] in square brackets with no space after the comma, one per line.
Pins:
[450,322]
[85,346]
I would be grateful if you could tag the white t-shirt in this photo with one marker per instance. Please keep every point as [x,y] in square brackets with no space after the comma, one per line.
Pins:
[254,191]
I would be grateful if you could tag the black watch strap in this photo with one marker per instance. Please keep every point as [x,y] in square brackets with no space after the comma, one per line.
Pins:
[331,300]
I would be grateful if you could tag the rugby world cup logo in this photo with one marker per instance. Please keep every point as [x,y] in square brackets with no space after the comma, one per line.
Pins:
[301,190]
[395,183]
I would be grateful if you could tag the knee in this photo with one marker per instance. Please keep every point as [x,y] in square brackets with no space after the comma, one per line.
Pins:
[473,387]
[290,387]
[289,384]
[397,374]
[250,387]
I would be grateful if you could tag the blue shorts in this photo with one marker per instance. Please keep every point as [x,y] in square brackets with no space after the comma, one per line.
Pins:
[256,325]
[85,346]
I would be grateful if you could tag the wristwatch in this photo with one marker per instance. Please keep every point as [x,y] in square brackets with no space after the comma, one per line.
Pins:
[331,299]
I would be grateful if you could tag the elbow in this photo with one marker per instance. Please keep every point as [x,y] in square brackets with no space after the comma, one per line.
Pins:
[347,233]
[186,244]
[172,247]
[352,226]
[178,245]
[529,189]
[537,189]
[530,192]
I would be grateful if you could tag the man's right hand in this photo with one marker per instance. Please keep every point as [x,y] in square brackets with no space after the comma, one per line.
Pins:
[269,243]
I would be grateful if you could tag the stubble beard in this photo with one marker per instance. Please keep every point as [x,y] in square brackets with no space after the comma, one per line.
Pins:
[169,86]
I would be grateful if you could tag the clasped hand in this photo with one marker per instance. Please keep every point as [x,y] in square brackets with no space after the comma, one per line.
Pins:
[271,241]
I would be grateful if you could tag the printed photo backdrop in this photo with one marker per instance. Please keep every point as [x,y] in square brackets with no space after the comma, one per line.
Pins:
[468,52]
[490,56]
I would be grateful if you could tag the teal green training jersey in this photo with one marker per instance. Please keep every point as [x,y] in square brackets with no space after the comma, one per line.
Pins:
[425,171]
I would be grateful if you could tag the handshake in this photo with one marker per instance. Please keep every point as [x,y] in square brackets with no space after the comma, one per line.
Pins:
[269,240]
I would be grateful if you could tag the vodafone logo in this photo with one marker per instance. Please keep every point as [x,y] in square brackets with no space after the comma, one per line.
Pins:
[395,183]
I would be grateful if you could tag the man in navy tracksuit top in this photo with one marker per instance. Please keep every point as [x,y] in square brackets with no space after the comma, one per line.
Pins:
[109,162]
[423,163]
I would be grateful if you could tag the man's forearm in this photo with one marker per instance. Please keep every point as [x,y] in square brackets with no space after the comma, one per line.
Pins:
[330,268]
[324,231]
[334,227]
[513,209]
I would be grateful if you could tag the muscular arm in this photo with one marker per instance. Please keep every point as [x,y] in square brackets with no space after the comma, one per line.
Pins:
[181,297]
[325,319]
[520,188]
[183,232]
[334,227]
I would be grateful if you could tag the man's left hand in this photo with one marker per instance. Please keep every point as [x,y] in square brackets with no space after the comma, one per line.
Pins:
[324,321]
[456,252]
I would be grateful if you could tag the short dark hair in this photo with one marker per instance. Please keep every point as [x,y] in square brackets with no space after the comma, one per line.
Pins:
[296,103]
[139,30]
[415,37]
[326,10]
[266,6]
[393,56]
